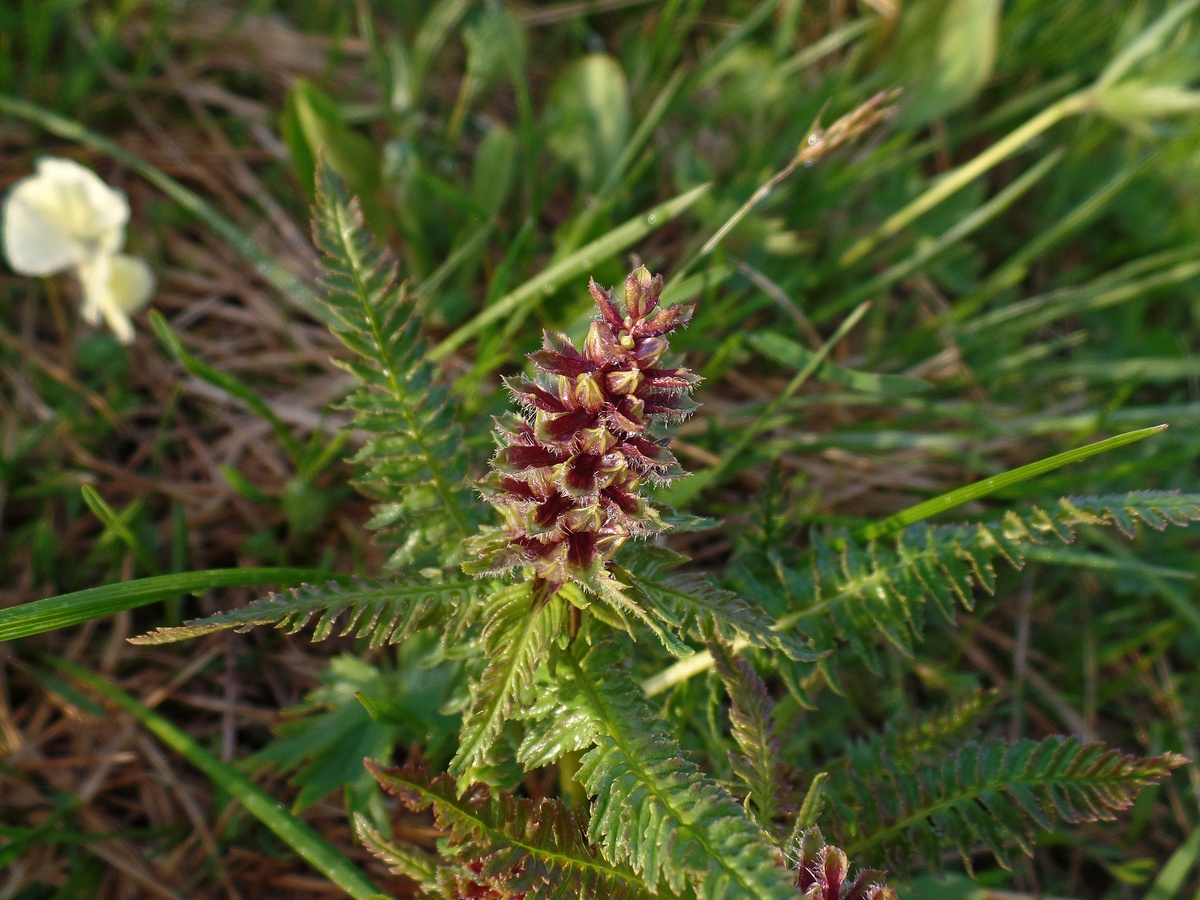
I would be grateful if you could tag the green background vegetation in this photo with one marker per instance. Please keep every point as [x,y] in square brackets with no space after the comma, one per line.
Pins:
[1026,227]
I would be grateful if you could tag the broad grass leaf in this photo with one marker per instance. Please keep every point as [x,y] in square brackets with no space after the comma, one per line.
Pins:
[492,177]
[313,124]
[784,350]
[945,53]
[587,117]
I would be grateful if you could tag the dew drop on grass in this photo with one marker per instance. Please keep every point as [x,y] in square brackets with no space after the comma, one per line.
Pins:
[651,219]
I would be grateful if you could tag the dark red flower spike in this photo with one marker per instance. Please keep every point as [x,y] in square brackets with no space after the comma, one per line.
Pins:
[567,480]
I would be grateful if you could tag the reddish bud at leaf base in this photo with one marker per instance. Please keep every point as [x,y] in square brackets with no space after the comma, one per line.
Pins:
[567,480]
[823,869]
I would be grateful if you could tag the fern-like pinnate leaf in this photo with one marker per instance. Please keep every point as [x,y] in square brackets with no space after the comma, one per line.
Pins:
[689,604]
[995,794]
[752,724]
[414,462]
[400,859]
[557,727]
[380,612]
[520,629]
[854,592]
[652,808]
[933,735]
[512,846]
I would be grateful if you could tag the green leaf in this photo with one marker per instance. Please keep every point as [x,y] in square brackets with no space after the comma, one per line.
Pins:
[587,117]
[526,848]
[519,630]
[651,807]
[853,593]
[880,590]
[691,604]
[788,352]
[435,30]
[994,793]
[407,861]
[494,167]
[118,524]
[383,613]
[752,724]
[415,461]
[946,53]
[1171,878]
[323,740]
[312,126]
[82,606]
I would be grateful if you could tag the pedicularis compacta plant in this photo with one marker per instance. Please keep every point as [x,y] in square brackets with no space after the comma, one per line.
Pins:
[568,624]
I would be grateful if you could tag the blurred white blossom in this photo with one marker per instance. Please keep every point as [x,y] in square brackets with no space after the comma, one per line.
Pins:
[65,217]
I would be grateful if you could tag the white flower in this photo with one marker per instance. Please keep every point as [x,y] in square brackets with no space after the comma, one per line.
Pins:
[65,217]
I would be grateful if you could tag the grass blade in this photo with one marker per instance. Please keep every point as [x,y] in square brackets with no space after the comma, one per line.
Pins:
[225,382]
[516,303]
[114,522]
[682,491]
[960,177]
[979,489]
[80,606]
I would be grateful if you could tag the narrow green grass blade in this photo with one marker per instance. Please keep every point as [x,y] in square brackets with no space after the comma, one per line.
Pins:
[783,349]
[80,606]
[1155,369]
[830,43]
[1017,266]
[1146,43]
[291,287]
[979,489]
[225,382]
[609,189]
[681,290]
[1100,293]
[468,248]
[682,491]
[307,843]
[112,520]
[1178,597]
[647,123]
[1173,875]
[578,263]
[1098,562]
[687,667]
[956,179]
[925,251]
